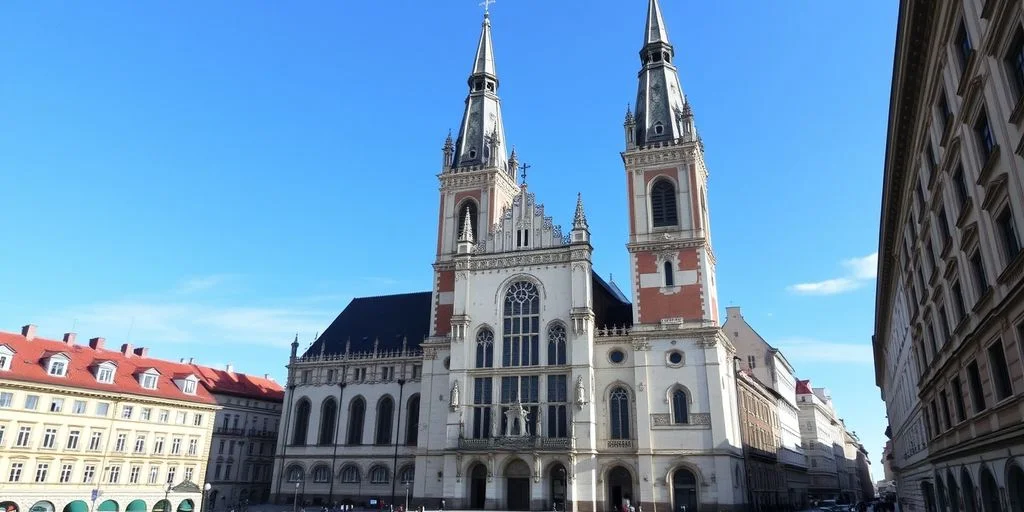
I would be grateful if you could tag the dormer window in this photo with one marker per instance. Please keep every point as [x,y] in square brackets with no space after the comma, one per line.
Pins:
[472,153]
[148,378]
[105,372]
[186,383]
[57,365]
[6,355]
[658,129]
[190,387]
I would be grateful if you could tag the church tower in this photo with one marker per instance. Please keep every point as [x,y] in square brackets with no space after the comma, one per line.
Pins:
[673,265]
[477,178]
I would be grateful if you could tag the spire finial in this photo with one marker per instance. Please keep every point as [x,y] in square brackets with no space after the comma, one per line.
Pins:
[467,229]
[629,115]
[655,31]
[524,168]
[579,220]
[486,4]
[296,342]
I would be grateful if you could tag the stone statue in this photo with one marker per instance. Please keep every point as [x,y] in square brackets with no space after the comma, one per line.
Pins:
[537,425]
[516,415]
[581,392]
[453,400]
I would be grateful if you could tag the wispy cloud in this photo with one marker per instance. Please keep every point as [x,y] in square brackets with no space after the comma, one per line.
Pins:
[818,351]
[200,283]
[858,272]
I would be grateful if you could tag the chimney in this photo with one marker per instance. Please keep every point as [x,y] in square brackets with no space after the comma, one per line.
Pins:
[126,349]
[29,332]
[96,343]
[230,368]
[69,338]
[191,360]
[141,351]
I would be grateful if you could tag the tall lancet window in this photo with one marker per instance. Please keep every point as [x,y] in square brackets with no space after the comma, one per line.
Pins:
[556,344]
[460,221]
[521,336]
[663,204]
[618,413]
[484,348]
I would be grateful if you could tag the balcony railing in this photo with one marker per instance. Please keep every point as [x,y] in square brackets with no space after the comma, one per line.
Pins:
[620,443]
[252,432]
[515,443]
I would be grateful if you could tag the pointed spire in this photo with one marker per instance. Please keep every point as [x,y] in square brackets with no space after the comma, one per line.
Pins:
[484,62]
[481,134]
[467,229]
[448,144]
[655,31]
[579,220]
[629,116]
[513,163]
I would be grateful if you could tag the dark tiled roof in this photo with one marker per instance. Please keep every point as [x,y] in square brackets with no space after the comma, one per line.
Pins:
[391,318]
[387,318]
[239,384]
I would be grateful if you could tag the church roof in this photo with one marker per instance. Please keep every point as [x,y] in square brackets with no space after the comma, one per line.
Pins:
[391,319]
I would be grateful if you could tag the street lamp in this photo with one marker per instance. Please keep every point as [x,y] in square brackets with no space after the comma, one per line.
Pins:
[167,492]
[206,488]
[295,500]
[407,497]
[398,431]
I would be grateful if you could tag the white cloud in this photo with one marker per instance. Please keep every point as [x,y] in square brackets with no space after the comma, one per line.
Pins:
[818,351]
[859,271]
[201,283]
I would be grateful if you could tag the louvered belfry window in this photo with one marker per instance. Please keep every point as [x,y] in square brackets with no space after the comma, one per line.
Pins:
[663,204]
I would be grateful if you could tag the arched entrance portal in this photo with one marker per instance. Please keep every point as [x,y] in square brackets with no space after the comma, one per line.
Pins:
[620,486]
[517,485]
[76,506]
[967,490]
[953,489]
[559,491]
[477,486]
[1015,488]
[684,491]
[989,492]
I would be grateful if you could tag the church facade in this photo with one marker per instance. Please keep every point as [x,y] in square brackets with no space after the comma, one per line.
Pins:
[523,380]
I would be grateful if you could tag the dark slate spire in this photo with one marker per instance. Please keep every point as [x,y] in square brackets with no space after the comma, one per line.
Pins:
[481,139]
[660,101]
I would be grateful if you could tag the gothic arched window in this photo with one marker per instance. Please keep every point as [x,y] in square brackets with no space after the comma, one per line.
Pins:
[670,279]
[328,412]
[680,411]
[356,418]
[379,475]
[460,221]
[663,204]
[301,422]
[618,413]
[412,421]
[521,336]
[350,475]
[385,412]
[321,474]
[295,474]
[556,344]
[484,348]
[408,474]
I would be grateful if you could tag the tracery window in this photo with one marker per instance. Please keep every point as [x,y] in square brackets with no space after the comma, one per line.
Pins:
[556,344]
[680,413]
[619,413]
[484,348]
[521,340]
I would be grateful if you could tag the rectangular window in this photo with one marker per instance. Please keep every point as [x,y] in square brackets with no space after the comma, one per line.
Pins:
[176,446]
[56,404]
[193,447]
[15,474]
[945,114]
[983,131]
[164,415]
[524,389]
[133,474]
[149,381]
[919,194]
[6,399]
[944,323]
[41,470]
[960,188]
[154,474]
[24,437]
[197,420]
[220,449]
[73,439]
[112,474]
[751,362]
[145,413]
[558,406]
[102,408]
[417,372]
[963,46]
[1014,60]
[307,375]
[1000,372]
[188,473]
[978,269]
[929,250]
[944,225]
[3,430]
[1008,234]
[945,408]
[95,441]
[179,418]
[88,474]
[958,301]
[50,437]
[170,474]
[126,412]
[65,473]
[974,382]
[158,446]
[482,407]
[140,444]
[31,402]
[78,407]
[119,443]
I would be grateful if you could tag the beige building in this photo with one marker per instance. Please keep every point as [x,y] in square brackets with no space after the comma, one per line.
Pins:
[761,434]
[84,428]
[950,264]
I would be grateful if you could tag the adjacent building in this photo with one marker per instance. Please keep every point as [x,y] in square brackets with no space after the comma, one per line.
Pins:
[759,424]
[241,454]
[523,380]
[822,437]
[948,320]
[770,366]
[87,428]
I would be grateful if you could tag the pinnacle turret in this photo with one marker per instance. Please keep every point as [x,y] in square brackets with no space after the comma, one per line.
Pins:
[467,229]
[579,220]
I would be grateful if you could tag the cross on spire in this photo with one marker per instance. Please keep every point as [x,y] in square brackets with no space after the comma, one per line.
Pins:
[524,168]
[486,4]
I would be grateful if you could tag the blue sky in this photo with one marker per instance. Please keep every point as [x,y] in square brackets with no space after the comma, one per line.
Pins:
[209,178]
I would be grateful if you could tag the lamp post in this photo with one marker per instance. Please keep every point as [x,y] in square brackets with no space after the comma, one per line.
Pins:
[337,428]
[295,499]
[407,497]
[167,493]
[398,427]
[206,488]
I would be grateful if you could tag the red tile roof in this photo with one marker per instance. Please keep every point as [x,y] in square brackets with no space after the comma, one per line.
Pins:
[803,387]
[239,384]
[26,366]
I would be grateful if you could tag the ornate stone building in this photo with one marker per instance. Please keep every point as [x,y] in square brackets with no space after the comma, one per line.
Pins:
[762,438]
[949,319]
[523,380]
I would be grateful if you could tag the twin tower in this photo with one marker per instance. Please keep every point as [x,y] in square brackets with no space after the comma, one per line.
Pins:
[672,265]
